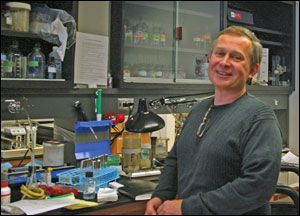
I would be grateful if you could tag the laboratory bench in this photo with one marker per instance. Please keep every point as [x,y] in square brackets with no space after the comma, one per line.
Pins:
[123,206]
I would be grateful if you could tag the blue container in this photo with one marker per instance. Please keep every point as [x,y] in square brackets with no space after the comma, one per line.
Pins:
[86,146]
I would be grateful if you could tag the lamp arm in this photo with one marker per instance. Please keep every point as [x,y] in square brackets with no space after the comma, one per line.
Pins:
[181,100]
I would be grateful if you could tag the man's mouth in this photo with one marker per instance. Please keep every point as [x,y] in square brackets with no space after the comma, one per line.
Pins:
[223,73]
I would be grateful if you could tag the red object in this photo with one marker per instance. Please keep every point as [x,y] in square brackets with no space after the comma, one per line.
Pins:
[119,118]
[58,190]
[236,15]
[179,33]
[115,118]
[4,184]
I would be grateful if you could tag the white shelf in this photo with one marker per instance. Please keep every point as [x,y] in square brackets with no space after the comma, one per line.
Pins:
[147,80]
[26,79]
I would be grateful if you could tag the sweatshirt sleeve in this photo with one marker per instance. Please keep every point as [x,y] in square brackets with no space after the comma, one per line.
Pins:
[261,156]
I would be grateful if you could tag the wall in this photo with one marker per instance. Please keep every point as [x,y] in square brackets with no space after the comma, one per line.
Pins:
[94,17]
[294,98]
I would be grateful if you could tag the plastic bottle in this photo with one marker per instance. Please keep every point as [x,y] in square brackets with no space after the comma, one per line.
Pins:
[36,63]
[54,62]
[89,186]
[51,68]
[109,81]
[5,193]
[14,55]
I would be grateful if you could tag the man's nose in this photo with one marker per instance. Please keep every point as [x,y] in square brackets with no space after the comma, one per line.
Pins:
[225,61]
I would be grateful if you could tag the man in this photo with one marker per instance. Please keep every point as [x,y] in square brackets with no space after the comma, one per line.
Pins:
[227,158]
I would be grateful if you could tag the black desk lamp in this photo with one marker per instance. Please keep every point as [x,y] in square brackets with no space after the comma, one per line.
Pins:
[144,120]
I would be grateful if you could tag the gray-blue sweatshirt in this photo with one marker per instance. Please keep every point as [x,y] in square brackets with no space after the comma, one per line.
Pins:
[233,168]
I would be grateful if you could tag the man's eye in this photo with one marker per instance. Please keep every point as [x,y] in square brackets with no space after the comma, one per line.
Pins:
[217,53]
[237,58]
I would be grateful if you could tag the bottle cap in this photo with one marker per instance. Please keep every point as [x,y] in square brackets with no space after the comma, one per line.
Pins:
[4,184]
[89,174]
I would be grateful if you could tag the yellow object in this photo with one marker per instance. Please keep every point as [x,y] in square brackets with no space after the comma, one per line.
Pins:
[33,192]
[83,204]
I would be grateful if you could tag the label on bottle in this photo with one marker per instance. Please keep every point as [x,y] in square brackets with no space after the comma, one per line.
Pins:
[146,36]
[139,34]
[7,66]
[33,63]
[51,69]
[156,37]
[9,20]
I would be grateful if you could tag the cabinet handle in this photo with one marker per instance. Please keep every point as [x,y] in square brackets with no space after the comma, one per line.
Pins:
[179,33]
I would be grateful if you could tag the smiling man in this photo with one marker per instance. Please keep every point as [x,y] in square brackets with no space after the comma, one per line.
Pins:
[227,158]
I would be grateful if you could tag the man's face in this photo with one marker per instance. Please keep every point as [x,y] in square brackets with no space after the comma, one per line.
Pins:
[229,66]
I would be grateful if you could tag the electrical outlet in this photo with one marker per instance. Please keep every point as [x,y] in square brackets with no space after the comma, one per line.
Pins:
[122,103]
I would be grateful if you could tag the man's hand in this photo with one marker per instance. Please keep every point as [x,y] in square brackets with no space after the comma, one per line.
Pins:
[152,206]
[170,207]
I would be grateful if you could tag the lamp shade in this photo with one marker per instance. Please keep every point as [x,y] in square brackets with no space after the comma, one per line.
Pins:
[144,120]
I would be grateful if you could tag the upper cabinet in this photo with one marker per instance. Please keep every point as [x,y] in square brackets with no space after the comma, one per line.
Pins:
[21,35]
[162,42]
[273,22]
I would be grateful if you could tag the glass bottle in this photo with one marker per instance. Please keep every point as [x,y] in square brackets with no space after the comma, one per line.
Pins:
[138,34]
[206,39]
[155,36]
[163,37]
[15,56]
[204,67]
[3,59]
[89,186]
[36,63]
[145,33]
[128,32]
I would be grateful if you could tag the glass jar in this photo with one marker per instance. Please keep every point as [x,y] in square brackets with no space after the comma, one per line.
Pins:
[131,152]
[89,186]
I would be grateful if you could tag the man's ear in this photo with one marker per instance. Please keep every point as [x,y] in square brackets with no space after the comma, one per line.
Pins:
[253,71]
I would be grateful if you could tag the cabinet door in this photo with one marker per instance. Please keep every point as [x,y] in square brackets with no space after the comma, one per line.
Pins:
[197,26]
[148,41]
[162,41]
